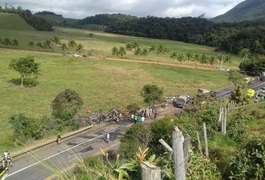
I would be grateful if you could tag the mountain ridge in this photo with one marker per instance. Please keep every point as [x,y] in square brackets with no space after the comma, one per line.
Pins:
[248,10]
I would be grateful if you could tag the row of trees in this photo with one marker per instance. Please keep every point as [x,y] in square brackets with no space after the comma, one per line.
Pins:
[9,42]
[58,45]
[225,37]
[134,48]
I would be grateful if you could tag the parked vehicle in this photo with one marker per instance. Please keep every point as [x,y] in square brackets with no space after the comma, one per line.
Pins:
[181,101]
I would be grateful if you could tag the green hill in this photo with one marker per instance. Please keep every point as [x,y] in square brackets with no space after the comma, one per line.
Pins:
[56,19]
[10,21]
[249,10]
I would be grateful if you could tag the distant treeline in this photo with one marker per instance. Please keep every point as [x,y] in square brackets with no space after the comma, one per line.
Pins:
[36,22]
[229,37]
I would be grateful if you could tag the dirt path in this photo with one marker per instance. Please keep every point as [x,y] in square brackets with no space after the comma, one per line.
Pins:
[97,58]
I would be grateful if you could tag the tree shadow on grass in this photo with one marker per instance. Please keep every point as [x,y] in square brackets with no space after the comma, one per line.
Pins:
[28,83]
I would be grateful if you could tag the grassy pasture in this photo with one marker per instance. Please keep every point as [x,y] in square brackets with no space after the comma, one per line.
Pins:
[13,22]
[102,84]
[101,44]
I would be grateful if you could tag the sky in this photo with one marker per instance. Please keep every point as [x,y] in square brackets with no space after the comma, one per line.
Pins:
[160,8]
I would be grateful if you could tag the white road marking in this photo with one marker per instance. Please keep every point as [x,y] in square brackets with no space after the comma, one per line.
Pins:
[36,163]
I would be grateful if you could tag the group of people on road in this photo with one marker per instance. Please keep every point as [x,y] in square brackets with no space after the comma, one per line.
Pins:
[143,114]
[6,159]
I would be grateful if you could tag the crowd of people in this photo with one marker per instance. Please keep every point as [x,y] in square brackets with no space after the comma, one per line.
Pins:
[6,160]
[139,117]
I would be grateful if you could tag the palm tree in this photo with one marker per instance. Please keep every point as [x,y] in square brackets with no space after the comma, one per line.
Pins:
[138,51]
[72,45]
[220,57]
[79,48]
[114,51]
[160,50]
[64,48]
[173,56]
[56,40]
[203,59]
[152,48]
[144,52]
[212,60]
[122,51]
[180,58]
[189,56]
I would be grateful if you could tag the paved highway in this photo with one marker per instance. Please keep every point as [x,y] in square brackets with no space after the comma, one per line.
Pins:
[227,92]
[41,164]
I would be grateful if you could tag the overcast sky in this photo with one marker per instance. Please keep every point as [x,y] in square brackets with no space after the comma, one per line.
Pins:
[161,8]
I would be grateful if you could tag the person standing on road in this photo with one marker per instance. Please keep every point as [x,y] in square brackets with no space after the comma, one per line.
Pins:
[142,119]
[135,119]
[4,159]
[139,119]
[132,117]
[107,137]
[58,139]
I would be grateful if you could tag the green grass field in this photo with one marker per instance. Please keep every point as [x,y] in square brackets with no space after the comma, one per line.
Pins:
[102,84]
[100,44]
[13,22]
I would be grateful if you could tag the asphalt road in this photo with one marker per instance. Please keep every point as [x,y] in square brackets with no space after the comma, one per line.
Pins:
[46,161]
[227,92]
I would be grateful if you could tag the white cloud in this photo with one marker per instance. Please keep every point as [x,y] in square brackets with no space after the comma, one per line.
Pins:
[170,8]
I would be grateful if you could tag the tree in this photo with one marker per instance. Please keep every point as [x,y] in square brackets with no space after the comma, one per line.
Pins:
[237,78]
[79,48]
[26,127]
[66,105]
[25,67]
[151,93]
[152,48]
[56,40]
[64,47]
[15,42]
[136,136]
[144,52]
[188,55]
[114,51]
[72,44]
[173,56]
[245,54]
[122,51]
[212,60]
[137,51]
[249,163]
[31,44]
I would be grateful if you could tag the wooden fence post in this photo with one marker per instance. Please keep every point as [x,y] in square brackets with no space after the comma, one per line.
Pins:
[179,161]
[187,142]
[205,140]
[199,142]
[150,171]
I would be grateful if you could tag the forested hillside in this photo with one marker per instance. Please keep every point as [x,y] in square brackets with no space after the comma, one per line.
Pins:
[249,10]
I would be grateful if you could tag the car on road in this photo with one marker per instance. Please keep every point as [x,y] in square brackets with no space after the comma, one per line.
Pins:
[181,101]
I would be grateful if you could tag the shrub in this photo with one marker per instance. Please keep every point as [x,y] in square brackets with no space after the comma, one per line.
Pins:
[66,105]
[25,127]
[151,93]
[132,108]
[249,163]
[136,136]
